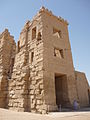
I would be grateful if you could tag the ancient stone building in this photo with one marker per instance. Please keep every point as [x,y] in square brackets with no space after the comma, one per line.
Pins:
[38,74]
[7,54]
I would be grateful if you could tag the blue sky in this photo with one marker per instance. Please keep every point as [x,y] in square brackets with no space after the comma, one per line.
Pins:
[14,14]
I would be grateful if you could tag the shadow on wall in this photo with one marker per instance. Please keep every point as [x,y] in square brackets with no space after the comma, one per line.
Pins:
[26,95]
[4,92]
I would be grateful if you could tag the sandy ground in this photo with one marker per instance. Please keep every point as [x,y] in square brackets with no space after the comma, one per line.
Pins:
[12,115]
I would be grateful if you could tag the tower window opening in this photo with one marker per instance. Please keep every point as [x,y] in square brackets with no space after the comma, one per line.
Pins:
[39,36]
[57,33]
[34,33]
[32,56]
[58,53]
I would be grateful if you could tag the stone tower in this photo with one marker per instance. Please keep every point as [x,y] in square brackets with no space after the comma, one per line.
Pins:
[43,74]
[40,75]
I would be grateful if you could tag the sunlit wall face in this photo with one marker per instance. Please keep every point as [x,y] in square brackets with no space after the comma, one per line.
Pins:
[13,15]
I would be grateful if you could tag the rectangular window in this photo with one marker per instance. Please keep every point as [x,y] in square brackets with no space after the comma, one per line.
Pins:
[57,33]
[34,33]
[39,37]
[61,53]
[18,46]
[58,53]
[32,56]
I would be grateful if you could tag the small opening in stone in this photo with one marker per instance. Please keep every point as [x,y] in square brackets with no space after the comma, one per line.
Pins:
[18,46]
[61,90]
[58,53]
[39,36]
[32,56]
[11,68]
[34,33]
[61,53]
[89,95]
[57,33]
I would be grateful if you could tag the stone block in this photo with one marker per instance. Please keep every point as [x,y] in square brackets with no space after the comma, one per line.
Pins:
[38,102]
[41,86]
[20,105]
[15,105]
[32,96]
[31,92]
[32,106]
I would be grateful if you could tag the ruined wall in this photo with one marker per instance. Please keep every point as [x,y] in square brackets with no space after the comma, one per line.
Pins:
[7,54]
[26,88]
[18,84]
[82,88]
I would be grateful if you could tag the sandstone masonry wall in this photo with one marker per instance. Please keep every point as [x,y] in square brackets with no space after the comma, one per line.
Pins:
[7,54]
[38,74]
[82,89]
[55,36]
[26,88]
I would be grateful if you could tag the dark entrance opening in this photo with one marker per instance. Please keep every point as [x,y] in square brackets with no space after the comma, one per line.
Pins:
[89,96]
[61,90]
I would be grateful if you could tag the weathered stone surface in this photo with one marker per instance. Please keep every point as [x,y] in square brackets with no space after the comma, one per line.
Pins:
[38,74]
[7,54]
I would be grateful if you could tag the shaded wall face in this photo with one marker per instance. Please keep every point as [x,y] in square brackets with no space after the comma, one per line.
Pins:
[61,90]
[57,58]
[82,88]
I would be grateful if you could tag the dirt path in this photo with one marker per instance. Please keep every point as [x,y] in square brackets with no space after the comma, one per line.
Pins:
[12,115]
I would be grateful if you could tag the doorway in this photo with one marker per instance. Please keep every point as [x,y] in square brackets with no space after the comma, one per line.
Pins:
[61,90]
[89,96]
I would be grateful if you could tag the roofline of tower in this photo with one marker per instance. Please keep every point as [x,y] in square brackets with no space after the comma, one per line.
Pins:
[49,12]
[43,9]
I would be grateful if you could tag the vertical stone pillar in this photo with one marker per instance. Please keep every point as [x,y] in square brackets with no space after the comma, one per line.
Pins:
[7,51]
